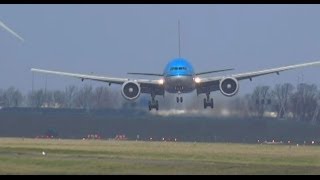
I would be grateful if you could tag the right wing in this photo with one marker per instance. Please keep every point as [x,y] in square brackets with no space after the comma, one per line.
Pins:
[145,74]
[111,80]
[83,76]
[147,86]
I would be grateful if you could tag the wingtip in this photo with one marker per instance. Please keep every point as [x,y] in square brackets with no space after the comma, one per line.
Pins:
[20,38]
[11,31]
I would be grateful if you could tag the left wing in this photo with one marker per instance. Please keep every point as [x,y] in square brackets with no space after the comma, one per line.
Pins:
[212,83]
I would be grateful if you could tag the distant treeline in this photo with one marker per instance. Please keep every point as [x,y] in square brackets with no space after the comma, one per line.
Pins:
[283,101]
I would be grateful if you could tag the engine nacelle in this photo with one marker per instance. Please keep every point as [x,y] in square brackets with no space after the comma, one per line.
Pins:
[130,90]
[229,86]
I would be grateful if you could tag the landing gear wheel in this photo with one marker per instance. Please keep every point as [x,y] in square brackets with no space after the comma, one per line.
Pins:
[181,99]
[149,104]
[208,102]
[157,105]
[211,103]
[153,104]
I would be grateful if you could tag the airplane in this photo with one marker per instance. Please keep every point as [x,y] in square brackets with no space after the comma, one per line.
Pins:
[179,77]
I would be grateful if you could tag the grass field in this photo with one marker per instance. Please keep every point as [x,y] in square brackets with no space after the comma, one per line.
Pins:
[24,156]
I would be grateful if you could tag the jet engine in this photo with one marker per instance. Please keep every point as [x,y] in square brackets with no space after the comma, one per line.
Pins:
[229,86]
[130,90]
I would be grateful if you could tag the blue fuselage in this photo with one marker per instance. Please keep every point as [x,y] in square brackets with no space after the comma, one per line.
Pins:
[179,76]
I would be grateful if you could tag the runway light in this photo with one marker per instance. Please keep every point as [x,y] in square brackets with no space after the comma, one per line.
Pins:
[161,81]
[197,80]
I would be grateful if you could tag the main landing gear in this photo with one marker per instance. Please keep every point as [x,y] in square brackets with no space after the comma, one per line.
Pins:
[153,104]
[208,102]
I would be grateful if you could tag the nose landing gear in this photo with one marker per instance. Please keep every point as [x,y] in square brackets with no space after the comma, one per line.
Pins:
[179,99]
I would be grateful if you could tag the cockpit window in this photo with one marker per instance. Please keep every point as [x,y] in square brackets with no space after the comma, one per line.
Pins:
[178,68]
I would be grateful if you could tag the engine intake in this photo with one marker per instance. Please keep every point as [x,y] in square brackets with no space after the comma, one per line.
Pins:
[229,86]
[130,90]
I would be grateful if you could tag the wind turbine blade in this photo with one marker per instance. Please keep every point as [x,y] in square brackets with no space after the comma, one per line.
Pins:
[11,31]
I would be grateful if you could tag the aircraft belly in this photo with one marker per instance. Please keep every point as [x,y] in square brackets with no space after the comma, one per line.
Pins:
[179,84]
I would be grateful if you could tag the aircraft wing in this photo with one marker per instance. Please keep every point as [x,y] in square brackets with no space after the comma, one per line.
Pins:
[11,31]
[111,80]
[250,75]
[212,83]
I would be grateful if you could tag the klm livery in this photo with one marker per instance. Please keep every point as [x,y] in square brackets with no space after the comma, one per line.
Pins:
[179,77]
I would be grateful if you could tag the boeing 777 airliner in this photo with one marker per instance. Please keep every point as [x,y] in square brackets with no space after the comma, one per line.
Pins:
[179,77]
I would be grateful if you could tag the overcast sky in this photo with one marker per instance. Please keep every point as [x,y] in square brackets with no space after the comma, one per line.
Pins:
[115,39]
